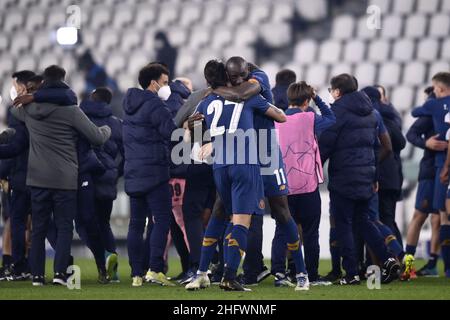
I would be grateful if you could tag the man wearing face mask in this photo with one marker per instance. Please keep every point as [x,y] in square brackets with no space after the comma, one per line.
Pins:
[147,129]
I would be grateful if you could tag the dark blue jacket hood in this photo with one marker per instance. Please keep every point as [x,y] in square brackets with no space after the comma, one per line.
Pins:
[135,98]
[96,109]
[356,102]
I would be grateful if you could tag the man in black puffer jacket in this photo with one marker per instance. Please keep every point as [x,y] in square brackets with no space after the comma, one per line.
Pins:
[349,145]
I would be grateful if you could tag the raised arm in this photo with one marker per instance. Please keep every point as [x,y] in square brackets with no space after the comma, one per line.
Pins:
[325,119]
[276,114]
[242,92]
[95,135]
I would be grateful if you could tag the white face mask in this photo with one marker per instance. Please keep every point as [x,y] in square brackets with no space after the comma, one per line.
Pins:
[164,92]
[331,99]
[13,93]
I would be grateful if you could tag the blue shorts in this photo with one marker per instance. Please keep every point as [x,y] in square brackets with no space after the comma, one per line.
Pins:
[240,188]
[424,196]
[275,184]
[440,192]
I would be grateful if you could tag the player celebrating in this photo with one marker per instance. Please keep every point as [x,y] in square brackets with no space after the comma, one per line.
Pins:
[238,178]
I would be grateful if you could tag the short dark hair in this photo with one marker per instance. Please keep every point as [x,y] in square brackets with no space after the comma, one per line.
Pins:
[285,77]
[102,94]
[54,73]
[379,86]
[429,90]
[299,92]
[442,77]
[152,71]
[23,76]
[345,83]
[215,73]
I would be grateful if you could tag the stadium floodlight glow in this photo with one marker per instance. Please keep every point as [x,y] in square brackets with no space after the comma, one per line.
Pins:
[67,36]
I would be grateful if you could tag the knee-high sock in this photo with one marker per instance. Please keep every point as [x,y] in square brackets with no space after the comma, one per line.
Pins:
[444,236]
[213,233]
[237,244]
[293,245]
[391,241]
[410,249]
[335,252]
[226,238]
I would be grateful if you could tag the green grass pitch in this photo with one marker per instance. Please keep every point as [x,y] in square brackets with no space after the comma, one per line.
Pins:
[423,288]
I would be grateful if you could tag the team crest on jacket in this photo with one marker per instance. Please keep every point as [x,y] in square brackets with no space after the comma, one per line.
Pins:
[262,204]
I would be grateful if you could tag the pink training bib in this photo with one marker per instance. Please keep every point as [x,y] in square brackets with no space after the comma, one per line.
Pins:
[300,152]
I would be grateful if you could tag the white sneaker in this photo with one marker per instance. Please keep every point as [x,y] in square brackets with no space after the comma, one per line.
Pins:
[201,281]
[302,282]
[137,282]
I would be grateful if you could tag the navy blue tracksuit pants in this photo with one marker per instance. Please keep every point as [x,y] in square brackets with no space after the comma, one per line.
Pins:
[86,222]
[306,211]
[20,209]
[254,260]
[156,205]
[103,209]
[63,205]
[349,215]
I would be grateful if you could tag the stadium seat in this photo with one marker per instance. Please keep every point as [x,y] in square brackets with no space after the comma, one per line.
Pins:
[56,19]
[324,94]
[138,59]
[305,51]
[89,37]
[48,59]
[13,21]
[41,43]
[177,36]
[403,50]
[445,6]
[379,51]
[123,17]
[213,12]
[125,81]
[20,43]
[100,18]
[35,21]
[330,51]
[4,42]
[108,40]
[340,68]
[245,35]
[354,51]
[131,39]
[403,98]
[237,12]
[271,69]
[428,50]
[445,52]
[7,64]
[415,26]
[282,11]
[296,68]
[199,37]
[391,27]
[276,35]
[189,14]
[414,74]
[363,32]
[26,62]
[428,6]
[316,75]
[312,10]
[221,38]
[384,5]
[116,63]
[185,62]
[203,57]
[366,74]
[144,16]
[343,27]
[247,53]
[259,12]
[403,6]
[389,74]
[436,67]
[420,96]
[439,26]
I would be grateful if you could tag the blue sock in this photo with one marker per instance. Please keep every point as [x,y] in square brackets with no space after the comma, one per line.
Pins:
[293,245]
[237,244]
[411,249]
[226,237]
[213,232]
[444,237]
[335,252]
[433,260]
[391,241]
